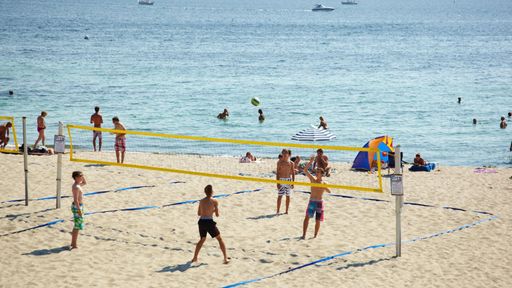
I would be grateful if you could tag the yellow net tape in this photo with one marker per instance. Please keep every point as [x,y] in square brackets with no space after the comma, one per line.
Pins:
[12,146]
[159,152]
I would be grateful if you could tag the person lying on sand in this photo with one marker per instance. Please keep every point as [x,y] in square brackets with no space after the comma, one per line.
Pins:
[248,158]
[316,205]
[207,207]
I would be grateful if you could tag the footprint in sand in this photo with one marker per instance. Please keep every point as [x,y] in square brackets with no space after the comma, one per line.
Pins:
[266,261]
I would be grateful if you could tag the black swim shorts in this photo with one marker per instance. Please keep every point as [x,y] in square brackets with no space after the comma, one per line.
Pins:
[208,226]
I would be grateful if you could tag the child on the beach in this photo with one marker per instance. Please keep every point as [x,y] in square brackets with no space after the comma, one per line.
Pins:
[207,207]
[77,207]
[316,205]
[285,171]
[120,145]
[41,126]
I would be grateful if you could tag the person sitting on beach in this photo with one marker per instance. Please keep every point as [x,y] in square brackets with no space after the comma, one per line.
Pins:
[77,207]
[315,205]
[120,145]
[418,161]
[207,207]
[248,158]
[224,114]
[323,123]
[322,161]
[299,167]
[4,134]
[503,123]
[41,126]
[261,118]
[97,119]
[285,171]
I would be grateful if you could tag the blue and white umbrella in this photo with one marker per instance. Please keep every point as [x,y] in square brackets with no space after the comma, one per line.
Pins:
[314,134]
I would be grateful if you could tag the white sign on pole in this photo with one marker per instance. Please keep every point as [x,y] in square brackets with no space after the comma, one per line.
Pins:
[397,185]
[59,144]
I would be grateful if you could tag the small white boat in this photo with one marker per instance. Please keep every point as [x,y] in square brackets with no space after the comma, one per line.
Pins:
[349,2]
[146,2]
[320,7]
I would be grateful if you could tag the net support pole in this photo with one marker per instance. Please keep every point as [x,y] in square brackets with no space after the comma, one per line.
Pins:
[59,169]
[25,157]
[398,205]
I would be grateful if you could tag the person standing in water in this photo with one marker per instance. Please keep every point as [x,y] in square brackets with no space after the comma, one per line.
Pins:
[261,118]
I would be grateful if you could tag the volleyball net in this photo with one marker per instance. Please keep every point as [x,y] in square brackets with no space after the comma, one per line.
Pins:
[8,136]
[217,157]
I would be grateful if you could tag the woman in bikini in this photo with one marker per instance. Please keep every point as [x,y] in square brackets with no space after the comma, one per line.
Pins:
[41,126]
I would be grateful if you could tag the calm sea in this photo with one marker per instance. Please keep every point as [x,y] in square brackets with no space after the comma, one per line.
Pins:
[380,67]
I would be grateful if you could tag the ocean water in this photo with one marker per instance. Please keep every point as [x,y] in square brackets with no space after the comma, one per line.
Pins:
[381,67]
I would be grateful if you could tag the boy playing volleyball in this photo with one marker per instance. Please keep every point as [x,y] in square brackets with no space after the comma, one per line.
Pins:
[207,207]
[285,171]
[316,204]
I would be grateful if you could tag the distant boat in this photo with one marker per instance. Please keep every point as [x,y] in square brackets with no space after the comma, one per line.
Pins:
[349,2]
[320,7]
[146,2]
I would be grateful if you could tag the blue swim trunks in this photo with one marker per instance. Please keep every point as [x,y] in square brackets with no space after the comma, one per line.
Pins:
[316,207]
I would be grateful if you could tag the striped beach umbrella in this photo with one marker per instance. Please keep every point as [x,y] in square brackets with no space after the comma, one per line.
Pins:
[314,134]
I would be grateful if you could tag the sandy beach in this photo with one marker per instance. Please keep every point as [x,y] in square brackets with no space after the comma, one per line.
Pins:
[152,247]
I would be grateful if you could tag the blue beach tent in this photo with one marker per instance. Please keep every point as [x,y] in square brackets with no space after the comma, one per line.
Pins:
[363,160]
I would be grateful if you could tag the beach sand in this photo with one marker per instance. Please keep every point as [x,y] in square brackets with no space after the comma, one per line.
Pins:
[151,248]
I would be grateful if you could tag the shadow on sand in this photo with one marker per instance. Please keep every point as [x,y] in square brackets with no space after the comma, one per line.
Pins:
[43,252]
[95,165]
[268,216]
[181,267]
[363,264]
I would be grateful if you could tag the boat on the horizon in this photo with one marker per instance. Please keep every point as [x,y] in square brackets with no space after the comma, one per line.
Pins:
[320,7]
[349,2]
[146,2]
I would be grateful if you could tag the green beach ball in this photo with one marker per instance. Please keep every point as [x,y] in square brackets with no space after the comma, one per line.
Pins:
[255,101]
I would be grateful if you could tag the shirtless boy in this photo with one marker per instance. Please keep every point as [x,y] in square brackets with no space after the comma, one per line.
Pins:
[207,207]
[316,204]
[77,207]
[97,120]
[41,126]
[4,134]
[285,171]
[120,145]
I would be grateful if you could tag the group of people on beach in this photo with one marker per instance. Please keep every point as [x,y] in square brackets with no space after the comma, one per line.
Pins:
[96,120]
[120,141]
[209,207]
[286,172]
